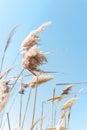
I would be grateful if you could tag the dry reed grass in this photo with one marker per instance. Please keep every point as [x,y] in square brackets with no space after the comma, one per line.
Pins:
[56,99]
[69,103]
[32,59]
[7,45]
[50,129]
[33,82]
[35,123]
[4,94]
[67,89]
[6,72]
[41,80]
[56,128]
[60,128]
[17,128]
[22,88]
[33,38]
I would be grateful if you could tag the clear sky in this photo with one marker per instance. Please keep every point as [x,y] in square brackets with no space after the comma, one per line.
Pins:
[66,37]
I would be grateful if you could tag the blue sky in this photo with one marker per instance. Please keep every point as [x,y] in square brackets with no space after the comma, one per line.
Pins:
[66,37]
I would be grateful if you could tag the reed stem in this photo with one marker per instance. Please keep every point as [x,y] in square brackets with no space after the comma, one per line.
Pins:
[35,97]
[8,122]
[26,108]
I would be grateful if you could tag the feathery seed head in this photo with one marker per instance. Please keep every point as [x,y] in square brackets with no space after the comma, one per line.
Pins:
[69,103]
[33,38]
[39,80]
[4,93]
[67,89]
[33,58]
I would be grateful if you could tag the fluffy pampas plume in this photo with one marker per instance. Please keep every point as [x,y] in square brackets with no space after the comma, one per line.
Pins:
[33,38]
[33,58]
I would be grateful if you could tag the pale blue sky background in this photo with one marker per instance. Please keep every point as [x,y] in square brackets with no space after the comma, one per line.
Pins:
[67,37]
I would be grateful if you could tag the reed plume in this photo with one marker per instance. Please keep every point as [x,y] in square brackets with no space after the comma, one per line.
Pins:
[60,128]
[7,45]
[56,99]
[69,103]
[33,38]
[33,58]
[4,94]
[32,83]
[41,80]
[6,72]
[67,89]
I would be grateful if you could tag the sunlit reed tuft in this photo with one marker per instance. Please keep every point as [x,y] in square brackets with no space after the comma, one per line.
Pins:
[69,103]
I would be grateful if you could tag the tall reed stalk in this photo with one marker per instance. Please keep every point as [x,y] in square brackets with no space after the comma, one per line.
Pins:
[8,121]
[26,108]
[53,96]
[35,98]
[20,114]
[42,113]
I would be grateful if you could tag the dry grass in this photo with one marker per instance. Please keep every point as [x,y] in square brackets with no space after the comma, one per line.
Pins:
[22,87]
[67,89]
[35,123]
[69,103]
[32,59]
[32,83]
[4,94]
[56,99]
[17,128]
[6,72]
[41,80]
[60,128]
[7,45]
[33,38]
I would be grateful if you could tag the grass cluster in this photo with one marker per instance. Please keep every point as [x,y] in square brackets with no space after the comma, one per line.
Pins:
[32,60]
